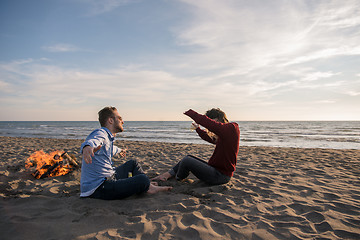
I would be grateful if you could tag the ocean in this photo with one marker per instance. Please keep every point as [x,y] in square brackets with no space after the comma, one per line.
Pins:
[299,134]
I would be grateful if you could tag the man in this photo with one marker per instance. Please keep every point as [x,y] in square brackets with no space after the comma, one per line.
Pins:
[99,179]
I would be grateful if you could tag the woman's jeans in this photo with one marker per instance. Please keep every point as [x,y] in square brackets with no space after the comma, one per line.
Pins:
[122,186]
[201,169]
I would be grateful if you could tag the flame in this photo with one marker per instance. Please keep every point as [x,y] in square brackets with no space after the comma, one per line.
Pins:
[48,164]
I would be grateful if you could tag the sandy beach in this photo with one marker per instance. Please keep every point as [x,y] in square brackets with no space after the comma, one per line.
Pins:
[276,193]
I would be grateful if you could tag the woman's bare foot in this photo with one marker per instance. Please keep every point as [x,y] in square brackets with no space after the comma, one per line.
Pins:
[163,177]
[155,189]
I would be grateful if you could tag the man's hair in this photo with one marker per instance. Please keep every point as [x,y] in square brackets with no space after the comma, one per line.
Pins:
[105,114]
[217,113]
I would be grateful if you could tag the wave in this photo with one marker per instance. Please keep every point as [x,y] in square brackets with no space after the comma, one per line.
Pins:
[280,134]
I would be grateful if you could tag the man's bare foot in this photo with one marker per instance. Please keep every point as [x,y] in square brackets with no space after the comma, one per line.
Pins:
[155,189]
[163,177]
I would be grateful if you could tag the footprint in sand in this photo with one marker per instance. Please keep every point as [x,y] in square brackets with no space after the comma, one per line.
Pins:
[315,217]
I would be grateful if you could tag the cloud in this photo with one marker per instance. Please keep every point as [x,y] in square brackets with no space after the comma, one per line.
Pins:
[52,83]
[262,50]
[240,37]
[238,54]
[313,76]
[4,86]
[326,101]
[353,93]
[42,84]
[325,54]
[339,15]
[61,47]
[96,7]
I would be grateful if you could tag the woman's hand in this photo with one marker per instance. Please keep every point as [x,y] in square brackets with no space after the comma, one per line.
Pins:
[213,136]
[194,126]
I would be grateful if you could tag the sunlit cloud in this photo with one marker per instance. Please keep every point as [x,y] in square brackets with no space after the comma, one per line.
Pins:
[326,101]
[239,38]
[353,93]
[337,15]
[326,53]
[51,85]
[51,82]
[318,75]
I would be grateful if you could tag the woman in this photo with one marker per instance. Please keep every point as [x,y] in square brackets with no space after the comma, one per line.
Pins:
[221,165]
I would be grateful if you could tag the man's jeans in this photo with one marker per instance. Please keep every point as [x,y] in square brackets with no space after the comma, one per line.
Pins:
[201,169]
[122,186]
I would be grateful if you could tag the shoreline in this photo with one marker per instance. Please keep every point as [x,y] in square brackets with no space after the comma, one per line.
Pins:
[275,193]
[298,134]
[117,141]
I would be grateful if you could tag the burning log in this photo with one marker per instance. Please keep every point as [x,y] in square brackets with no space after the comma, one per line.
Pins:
[37,174]
[51,165]
[70,160]
[50,170]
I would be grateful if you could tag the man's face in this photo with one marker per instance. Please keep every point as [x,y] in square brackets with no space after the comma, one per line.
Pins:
[118,122]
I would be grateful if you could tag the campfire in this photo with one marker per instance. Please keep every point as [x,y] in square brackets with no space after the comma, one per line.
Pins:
[52,164]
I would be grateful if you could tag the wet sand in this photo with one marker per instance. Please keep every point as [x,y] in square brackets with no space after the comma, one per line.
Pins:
[276,193]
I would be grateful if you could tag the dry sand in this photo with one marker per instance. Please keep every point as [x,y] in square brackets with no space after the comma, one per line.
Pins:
[276,193]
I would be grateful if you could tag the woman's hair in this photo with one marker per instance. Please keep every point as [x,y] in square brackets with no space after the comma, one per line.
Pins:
[105,114]
[217,113]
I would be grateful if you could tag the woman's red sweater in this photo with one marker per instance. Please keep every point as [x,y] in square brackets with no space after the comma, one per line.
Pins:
[227,145]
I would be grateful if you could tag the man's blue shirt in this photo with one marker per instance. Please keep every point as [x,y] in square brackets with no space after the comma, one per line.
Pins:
[95,173]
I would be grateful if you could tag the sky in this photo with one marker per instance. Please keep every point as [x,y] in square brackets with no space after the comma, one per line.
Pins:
[258,60]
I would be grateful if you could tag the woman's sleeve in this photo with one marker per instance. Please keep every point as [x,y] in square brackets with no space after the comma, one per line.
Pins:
[206,122]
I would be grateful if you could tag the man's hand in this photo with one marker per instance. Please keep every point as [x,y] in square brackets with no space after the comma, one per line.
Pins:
[88,153]
[123,152]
